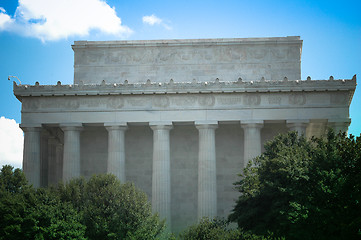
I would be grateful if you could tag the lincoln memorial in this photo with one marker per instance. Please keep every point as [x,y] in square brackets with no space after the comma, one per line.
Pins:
[179,118]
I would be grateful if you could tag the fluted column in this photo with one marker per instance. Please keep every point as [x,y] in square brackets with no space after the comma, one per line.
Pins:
[59,149]
[116,154]
[52,165]
[207,178]
[339,124]
[317,128]
[44,160]
[299,126]
[252,140]
[161,192]
[71,156]
[55,156]
[31,154]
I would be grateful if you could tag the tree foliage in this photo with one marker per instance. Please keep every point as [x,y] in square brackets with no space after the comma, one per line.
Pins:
[218,229]
[98,208]
[29,214]
[111,210]
[303,189]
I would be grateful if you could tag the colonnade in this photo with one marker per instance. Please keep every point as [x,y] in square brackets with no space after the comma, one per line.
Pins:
[161,183]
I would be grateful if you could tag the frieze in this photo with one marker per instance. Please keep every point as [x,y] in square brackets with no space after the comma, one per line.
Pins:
[71,104]
[252,99]
[206,100]
[339,98]
[115,102]
[181,101]
[31,104]
[160,101]
[278,53]
[229,100]
[92,102]
[137,101]
[274,99]
[184,101]
[297,99]
[229,54]
[257,53]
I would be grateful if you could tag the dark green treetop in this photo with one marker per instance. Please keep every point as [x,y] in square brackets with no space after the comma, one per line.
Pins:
[303,189]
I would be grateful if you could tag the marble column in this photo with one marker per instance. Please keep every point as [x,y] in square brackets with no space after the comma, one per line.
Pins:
[339,125]
[59,161]
[71,156]
[116,154]
[44,158]
[207,178]
[299,126]
[252,140]
[161,191]
[52,164]
[32,154]
[317,128]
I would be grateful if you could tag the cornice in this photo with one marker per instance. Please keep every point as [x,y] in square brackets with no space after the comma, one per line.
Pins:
[187,42]
[171,87]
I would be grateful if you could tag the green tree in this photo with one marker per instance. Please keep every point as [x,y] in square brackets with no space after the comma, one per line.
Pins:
[26,213]
[303,189]
[112,210]
[14,192]
[54,219]
[12,181]
[217,229]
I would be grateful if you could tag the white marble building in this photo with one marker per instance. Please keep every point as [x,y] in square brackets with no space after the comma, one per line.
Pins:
[179,118]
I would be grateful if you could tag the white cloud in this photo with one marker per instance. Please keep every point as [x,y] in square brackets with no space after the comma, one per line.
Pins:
[4,18]
[151,20]
[154,20]
[11,143]
[53,19]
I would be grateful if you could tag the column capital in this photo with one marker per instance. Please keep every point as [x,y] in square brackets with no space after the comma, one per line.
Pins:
[339,121]
[339,124]
[252,124]
[111,124]
[71,126]
[298,125]
[166,125]
[206,124]
[32,127]
[116,126]
[298,121]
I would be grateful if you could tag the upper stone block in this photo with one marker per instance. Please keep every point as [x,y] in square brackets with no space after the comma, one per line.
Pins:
[187,60]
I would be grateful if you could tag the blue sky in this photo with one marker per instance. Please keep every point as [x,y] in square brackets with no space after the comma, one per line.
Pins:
[36,35]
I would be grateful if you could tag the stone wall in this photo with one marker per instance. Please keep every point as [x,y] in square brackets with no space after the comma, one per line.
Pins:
[187,60]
